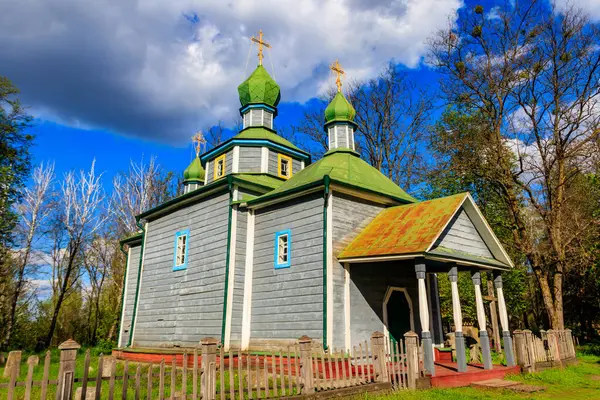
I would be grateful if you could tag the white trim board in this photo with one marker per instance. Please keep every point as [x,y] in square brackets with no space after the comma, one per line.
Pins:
[249,267]
[140,276]
[125,282]
[231,277]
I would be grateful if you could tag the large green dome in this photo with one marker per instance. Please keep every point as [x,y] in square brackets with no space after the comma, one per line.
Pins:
[259,88]
[339,109]
[194,172]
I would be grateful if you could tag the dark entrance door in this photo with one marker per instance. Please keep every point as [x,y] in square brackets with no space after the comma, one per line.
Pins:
[398,315]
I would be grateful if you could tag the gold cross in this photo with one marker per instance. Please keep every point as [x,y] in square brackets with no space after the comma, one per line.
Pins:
[337,68]
[199,141]
[261,43]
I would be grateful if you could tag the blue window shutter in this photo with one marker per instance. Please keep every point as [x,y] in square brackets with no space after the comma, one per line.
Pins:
[186,233]
[287,263]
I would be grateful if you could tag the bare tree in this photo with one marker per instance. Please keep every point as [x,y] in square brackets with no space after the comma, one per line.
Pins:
[32,212]
[392,114]
[78,219]
[144,186]
[530,74]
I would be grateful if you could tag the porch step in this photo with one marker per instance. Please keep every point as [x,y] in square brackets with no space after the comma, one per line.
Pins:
[509,385]
[447,375]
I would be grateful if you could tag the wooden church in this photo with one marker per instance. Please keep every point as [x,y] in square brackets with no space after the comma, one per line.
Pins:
[266,245]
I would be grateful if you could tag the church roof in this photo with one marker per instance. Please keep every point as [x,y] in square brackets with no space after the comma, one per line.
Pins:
[339,109]
[194,172]
[345,167]
[414,229]
[259,88]
[262,133]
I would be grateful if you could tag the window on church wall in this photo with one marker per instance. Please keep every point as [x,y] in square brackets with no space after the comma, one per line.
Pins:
[180,258]
[283,246]
[219,168]
[284,166]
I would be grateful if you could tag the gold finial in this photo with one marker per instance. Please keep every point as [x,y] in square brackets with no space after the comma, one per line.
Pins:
[261,43]
[199,142]
[337,68]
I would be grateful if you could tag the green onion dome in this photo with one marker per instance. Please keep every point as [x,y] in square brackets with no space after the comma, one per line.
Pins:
[194,172]
[259,88]
[339,109]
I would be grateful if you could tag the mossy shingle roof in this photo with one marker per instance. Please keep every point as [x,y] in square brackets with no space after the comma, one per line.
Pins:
[404,229]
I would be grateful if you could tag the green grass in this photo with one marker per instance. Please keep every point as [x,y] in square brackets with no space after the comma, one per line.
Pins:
[573,382]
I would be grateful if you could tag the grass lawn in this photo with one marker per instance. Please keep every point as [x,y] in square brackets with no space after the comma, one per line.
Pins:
[577,382]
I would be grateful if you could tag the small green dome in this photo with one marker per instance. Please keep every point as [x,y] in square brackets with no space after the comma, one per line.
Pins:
[194,172]
[259,88]
[339,109]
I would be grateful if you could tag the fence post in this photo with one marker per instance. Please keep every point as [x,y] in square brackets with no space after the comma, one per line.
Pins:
[570,343]
[521,349]
[411,340]
[209,368]
[66,371]
[379,364]
[553,345]
[306,367]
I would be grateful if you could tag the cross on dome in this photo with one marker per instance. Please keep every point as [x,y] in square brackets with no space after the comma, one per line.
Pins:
[337,69]
[260,43]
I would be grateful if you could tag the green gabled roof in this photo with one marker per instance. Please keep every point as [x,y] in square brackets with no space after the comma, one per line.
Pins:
[131,238]
[345,167]
[262,133]
[261,179]
[259,88]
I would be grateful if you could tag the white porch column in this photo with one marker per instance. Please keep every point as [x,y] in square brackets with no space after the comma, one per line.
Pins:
[461,357]
[424,317]
[484,340]
[508,348]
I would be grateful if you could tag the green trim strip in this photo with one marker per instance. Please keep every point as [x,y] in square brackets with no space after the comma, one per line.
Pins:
[226,290]
[326,181]
[123,289]
[139,277]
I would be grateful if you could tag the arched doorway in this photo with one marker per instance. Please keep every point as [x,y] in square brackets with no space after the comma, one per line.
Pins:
[398,315]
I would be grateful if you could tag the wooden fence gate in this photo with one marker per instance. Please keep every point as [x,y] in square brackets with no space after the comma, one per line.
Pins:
[210,373]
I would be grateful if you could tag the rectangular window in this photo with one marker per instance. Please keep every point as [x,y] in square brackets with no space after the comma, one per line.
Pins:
[219,168]
[283,249]
[284,169]
[181,250]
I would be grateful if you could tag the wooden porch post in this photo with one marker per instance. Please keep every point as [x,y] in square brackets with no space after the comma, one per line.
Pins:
[461,357]
[484,340]
[424,317]
[508,348]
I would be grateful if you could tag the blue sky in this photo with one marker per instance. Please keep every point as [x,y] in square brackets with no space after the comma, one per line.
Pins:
[117,81]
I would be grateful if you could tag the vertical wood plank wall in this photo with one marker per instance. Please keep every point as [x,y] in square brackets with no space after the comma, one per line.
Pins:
[180,307]
[133,263]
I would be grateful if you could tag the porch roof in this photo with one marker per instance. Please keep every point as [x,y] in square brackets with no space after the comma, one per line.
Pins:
[412,230]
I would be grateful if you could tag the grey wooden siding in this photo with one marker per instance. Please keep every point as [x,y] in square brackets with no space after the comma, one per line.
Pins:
[288,302]
[228,165]
[461,235]
[133,264]
[273,168]
[181,307]
[240,273]
[341,136]
[350,216]
[369,283]
[250,159]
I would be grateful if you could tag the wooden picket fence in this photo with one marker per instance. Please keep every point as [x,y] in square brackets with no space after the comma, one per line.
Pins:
[211,373]
[552,348]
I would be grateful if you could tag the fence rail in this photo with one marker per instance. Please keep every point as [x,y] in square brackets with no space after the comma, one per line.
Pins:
[552,348]
[211,373]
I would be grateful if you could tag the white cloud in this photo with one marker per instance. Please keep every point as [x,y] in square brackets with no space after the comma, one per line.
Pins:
[592,7]
[162,69]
